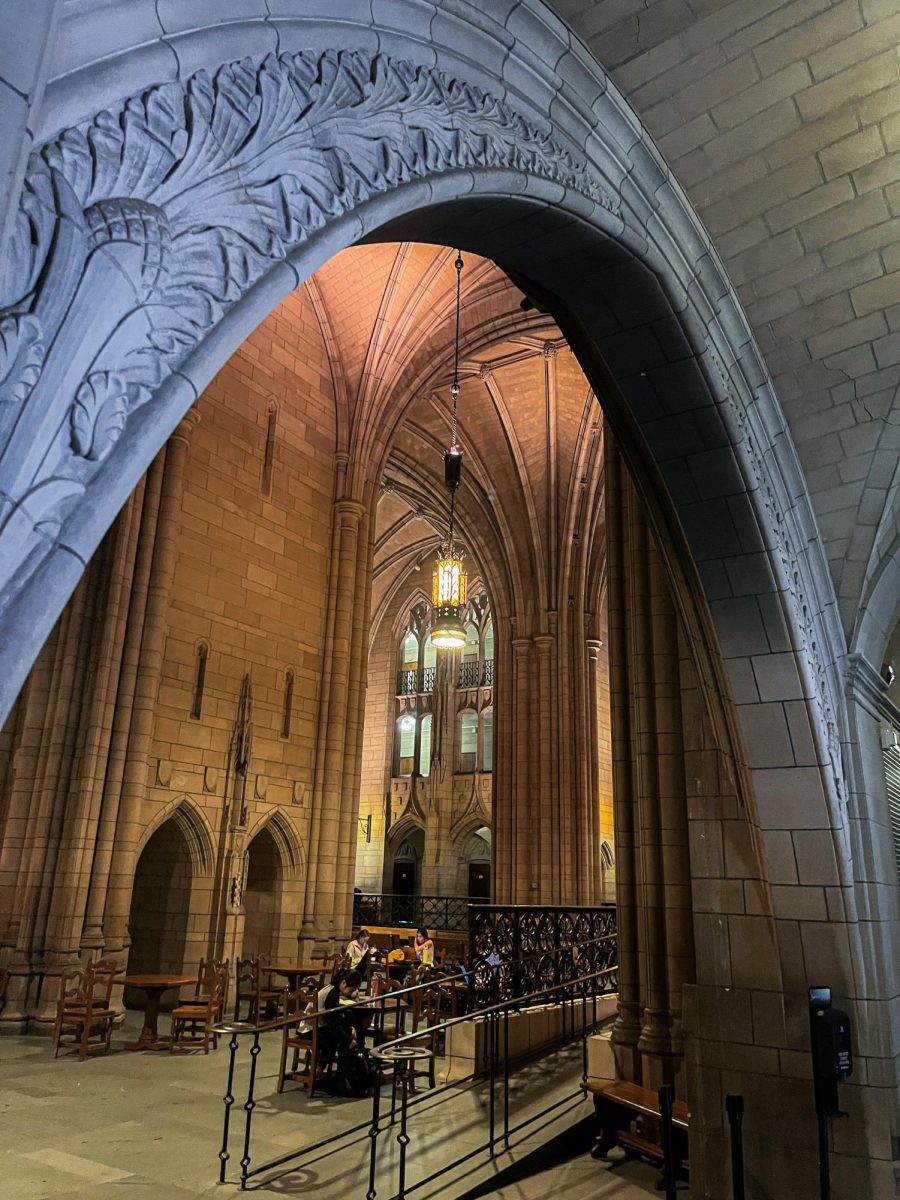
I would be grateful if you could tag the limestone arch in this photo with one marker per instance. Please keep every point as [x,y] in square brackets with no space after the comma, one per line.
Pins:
[171,890]
[289,842]
[455,149]
[281,923]
[192,823]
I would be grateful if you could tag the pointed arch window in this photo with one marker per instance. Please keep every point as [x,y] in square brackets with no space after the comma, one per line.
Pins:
[487,740]
[287,704]
[405,741]
[268,463]
[425,745]
[199,680]
[489,643]
[468,741]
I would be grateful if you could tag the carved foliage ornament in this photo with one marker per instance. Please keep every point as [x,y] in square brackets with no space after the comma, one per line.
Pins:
[139,228]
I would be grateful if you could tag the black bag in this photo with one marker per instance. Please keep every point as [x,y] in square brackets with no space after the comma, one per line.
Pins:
[354,1074]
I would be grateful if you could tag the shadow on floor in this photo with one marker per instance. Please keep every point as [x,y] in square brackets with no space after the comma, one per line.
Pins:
[571,1143]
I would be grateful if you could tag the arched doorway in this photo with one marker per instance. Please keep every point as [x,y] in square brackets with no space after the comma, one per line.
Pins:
[262,895]
[608,244]
[161,905]
[403,869]
[475,865]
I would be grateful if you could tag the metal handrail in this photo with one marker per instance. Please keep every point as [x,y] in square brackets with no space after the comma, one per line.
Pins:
[564,990]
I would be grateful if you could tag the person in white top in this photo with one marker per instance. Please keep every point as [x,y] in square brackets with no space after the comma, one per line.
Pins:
[357,950]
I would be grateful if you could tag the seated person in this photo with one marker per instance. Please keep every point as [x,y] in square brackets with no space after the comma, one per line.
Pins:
[357,951]
[424,948]
[341,1026]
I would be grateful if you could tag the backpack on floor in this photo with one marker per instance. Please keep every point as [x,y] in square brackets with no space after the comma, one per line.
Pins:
[354,1074]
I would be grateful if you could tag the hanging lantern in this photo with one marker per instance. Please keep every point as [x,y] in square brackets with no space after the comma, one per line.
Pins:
[448,598]
[448,591]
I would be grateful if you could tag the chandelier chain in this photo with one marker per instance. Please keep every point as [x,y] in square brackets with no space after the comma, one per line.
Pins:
[454,387]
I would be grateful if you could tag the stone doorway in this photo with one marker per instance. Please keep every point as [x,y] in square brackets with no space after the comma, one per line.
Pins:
[262,895]
[160,906]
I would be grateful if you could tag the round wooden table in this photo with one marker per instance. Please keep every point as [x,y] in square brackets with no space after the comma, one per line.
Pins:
[154,986]
[293,971]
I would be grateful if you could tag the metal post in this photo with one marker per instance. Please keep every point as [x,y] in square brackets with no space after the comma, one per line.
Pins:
[248,1109]
[666,1100]
[734,1107]
[824,1163]
[584,1028]
[493,1078]
[228,1100]
[403,1136]
[506,1076]
[373,1135]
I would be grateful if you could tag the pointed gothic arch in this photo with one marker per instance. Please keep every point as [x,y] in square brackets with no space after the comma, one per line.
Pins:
[192,823]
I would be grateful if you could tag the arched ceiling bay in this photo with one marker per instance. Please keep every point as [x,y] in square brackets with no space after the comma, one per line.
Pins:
[526,413]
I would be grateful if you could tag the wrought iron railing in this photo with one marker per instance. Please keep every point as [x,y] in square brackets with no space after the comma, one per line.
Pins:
[428,912]
[579,1016]
[410,682]
[469,674]
[406,683]
[515,948]
[487,677]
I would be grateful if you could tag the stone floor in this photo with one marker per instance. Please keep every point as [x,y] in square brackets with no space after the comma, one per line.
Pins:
[149,1125]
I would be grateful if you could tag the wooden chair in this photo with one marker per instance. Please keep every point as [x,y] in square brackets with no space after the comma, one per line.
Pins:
[253,985]
[428,1040]
[103,974]
[193,1023]
[207,977]
[82,1026]
[335,963]
[301,1039]
[379,1030]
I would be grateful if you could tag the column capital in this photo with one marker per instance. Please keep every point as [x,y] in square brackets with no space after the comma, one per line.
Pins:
[521,645]
[544,642]
[351,508]
[186,425]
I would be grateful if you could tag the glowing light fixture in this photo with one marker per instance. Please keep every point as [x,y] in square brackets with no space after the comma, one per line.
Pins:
[448,591]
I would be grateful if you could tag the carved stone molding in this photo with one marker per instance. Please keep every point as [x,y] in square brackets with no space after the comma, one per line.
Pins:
[139,228]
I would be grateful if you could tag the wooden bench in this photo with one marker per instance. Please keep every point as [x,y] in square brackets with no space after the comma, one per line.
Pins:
[629,1116]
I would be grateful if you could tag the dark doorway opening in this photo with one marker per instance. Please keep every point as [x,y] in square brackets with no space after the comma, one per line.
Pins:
[479,881]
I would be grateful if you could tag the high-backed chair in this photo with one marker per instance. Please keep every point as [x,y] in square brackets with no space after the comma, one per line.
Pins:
[193,1023]
[82,1026]
[254,986]
[207,980]
[300,1040]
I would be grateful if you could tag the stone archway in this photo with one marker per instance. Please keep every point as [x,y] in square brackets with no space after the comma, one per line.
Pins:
[160,917]
[269,149]
[291,158]
[273,889]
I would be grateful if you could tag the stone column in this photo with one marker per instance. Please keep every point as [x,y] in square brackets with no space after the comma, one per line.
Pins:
[627,1027]
[135,778]
[39,791]
[653,871]
[146,516]
[543,807]
[326,827]
[72,877]
[592,817]
[354,724]
[524,880]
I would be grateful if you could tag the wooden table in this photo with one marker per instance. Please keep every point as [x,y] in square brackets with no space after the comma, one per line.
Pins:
[293,971]
[154,986]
